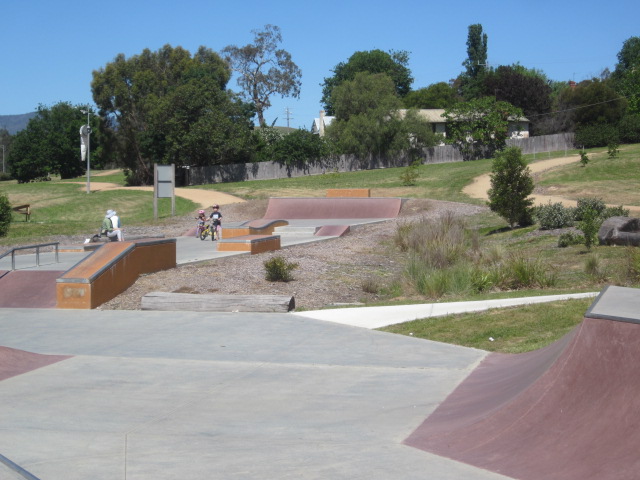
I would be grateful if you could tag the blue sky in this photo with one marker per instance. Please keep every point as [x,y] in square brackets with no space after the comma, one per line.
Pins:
[50,48]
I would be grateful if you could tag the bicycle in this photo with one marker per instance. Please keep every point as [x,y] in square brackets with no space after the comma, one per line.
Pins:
[209,230]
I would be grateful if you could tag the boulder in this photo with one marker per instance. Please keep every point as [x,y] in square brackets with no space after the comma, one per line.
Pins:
[620,231]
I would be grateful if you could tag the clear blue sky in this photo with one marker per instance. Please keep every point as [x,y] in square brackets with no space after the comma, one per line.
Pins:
[50,48]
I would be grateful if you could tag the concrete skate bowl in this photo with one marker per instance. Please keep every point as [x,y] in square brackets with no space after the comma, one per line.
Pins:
[15,362]
[568,411]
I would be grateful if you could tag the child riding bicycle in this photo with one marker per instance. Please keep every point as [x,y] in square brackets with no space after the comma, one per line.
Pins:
[216,222]
[201,218]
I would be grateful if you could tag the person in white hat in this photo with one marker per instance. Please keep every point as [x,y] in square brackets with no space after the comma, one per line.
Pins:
[110,227]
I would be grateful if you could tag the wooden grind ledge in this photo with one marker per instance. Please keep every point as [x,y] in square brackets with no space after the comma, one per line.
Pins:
[193,302]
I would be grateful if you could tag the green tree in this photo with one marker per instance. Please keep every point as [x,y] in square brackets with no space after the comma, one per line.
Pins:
[515,85]
[5,141]
[480,127]
[5,214]
[170,107]
[50,144]
[292,148]
[437,95]
[626,76]
[511,185]
[369,121]
[264,69]
[394,64]
[594,102]
[475,64]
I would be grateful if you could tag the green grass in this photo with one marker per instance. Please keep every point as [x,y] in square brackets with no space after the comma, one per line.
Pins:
[513,330]
[443,181]
[615,180]
[63,208]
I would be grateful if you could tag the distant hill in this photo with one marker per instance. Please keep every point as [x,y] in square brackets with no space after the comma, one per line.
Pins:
[15,123]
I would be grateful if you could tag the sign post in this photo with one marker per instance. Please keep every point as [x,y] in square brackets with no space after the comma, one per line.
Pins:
[164,182]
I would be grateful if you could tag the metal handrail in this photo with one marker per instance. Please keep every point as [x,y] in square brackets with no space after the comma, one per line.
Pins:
[37,247]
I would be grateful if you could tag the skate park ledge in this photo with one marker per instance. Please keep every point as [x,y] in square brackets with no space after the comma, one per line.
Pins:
[250,243]
[111,269]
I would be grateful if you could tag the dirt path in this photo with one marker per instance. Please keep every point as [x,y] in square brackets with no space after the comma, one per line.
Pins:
[203,198]
[480,185]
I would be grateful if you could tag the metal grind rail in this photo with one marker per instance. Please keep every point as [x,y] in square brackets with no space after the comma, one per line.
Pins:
[38,246]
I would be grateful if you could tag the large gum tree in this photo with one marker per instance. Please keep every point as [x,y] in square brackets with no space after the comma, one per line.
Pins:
[264,69]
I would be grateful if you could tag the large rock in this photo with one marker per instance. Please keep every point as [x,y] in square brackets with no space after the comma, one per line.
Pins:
[620,231]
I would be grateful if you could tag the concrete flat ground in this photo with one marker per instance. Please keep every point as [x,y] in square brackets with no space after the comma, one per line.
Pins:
[201,396]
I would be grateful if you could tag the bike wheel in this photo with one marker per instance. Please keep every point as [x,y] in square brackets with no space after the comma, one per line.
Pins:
[203,235]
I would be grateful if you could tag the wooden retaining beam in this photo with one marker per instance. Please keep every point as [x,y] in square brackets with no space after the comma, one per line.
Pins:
[111,269]
[193,302]
[349,192]
[250,243]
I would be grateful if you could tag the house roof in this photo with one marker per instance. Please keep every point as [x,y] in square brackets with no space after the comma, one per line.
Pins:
[316,123]
[434,115]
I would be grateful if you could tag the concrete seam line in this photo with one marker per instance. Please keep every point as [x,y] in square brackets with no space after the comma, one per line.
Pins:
[17,468]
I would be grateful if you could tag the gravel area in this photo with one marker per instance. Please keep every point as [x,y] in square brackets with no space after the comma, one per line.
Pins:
[329,273]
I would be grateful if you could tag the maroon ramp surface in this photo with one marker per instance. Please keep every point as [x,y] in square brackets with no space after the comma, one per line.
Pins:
[29,289]
[569,411]
[333,207]
[16,362]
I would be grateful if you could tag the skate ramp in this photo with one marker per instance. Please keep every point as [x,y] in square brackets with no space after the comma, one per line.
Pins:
[16,362]
[568,411]
[28,289]
[332,208]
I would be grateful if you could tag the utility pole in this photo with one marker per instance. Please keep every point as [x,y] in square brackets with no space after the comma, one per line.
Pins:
[288,112]
[85,132]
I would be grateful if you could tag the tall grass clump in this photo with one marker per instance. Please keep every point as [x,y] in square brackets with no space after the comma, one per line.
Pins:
[445,258]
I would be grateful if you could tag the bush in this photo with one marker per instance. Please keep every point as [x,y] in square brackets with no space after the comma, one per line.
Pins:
[613,150]
[629,129]
[596,135]
[570,238]
[278,269]
[589,203]
[554,215]
[410,174]
[5,215]
[4,176]
[511,185]
[619,211]
[584,158]
[520,272]
[589,225]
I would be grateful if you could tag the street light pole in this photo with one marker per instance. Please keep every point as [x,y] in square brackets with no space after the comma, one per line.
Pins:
[87,111]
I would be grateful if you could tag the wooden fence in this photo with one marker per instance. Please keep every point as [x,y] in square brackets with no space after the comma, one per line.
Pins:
[240,172]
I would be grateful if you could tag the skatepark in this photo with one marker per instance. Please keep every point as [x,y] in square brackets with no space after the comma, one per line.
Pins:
[151,394]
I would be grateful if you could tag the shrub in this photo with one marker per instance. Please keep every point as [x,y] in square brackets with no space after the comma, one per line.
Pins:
[554,215]
[596,135]
[5,214]
[584,158]
[589,225]
[612,149]
[4,176]
[629,128]
[618,211]
[511,185]
[278,269]
[570,238]
[370,285]
[410,174]
[588,203]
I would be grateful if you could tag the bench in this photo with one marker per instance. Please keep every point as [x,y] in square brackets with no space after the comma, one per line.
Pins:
[250,243]
[24,210]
